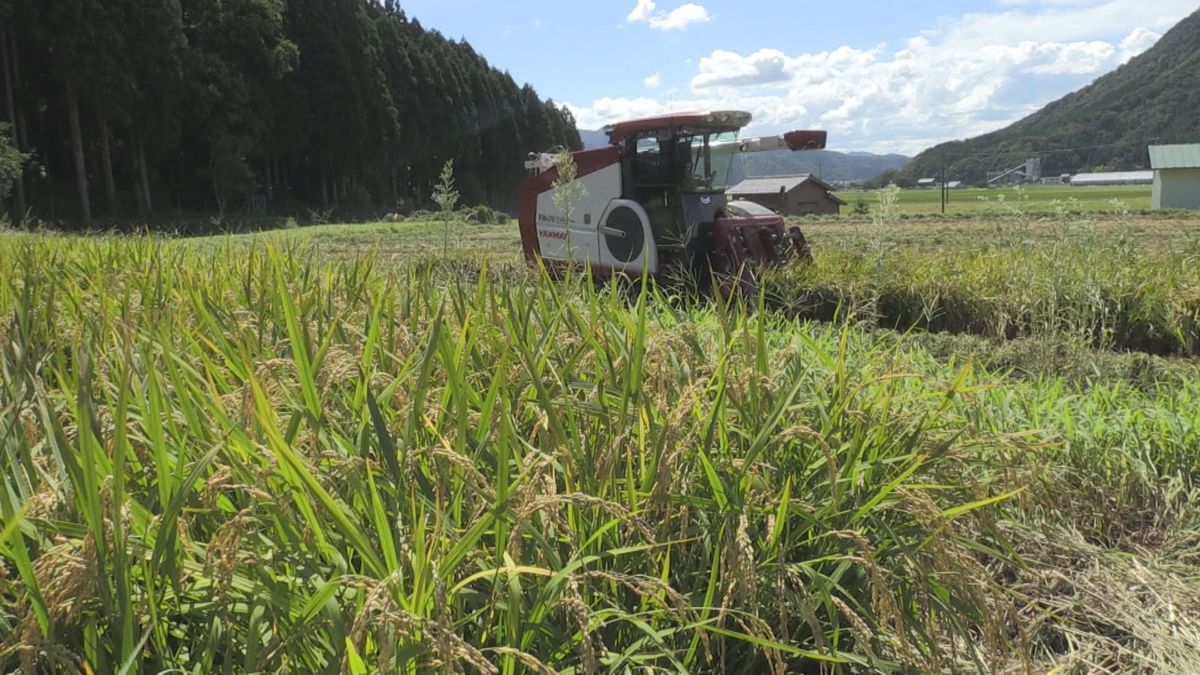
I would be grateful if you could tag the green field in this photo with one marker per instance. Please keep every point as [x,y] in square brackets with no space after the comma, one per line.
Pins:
[1000,200]
[951,445]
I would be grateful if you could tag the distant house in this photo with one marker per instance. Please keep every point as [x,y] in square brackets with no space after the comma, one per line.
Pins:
[790,195]
[1064,179]
[935,184]
[1176,176]
[1113,178]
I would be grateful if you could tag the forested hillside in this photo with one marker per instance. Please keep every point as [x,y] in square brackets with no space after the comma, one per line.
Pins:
[140,107]
[1155,98]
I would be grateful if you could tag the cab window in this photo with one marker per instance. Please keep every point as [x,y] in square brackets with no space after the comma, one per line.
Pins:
[651,164]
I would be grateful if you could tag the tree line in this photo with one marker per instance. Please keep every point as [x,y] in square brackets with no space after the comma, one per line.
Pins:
[129,108]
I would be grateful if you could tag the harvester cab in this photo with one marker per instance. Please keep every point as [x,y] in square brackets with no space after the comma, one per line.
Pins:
[655,201]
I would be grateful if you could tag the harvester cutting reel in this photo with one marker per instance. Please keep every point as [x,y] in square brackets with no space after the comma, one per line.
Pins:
[751,239]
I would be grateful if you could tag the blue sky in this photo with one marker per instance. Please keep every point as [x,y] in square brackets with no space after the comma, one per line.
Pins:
[880,76]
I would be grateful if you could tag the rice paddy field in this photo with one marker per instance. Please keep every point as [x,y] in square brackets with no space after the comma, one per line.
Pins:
[951,445]
[1040,199]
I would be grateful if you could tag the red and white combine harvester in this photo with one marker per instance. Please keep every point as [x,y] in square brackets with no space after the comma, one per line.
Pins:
[655,202]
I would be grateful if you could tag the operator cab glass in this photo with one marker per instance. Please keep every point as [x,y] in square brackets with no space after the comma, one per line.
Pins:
[680,175]
[652,166]
[684,162]
[712,161]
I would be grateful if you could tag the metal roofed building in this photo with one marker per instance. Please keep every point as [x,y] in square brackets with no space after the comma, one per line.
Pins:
[935,184]
[1176,176]
[790,195]
[1113,178]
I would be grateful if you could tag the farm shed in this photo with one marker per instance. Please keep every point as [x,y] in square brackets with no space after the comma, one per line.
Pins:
[1176,176]
[1113,178]
[789,195]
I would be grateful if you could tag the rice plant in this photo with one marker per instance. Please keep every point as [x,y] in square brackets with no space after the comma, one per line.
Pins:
[250,458]
[1107,291]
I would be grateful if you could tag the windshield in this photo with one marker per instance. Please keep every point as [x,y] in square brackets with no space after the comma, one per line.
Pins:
[712,160]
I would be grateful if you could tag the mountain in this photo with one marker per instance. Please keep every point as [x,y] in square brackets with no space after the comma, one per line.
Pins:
[1155,98]
[831,166]
[593,138]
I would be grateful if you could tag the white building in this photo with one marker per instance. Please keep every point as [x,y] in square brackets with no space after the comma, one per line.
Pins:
[1113,178]
[1176,176]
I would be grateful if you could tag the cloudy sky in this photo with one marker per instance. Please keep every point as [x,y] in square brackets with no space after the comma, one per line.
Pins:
[880,75]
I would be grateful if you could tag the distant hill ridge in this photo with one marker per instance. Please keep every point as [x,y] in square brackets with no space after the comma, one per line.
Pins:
[830,166]
[1155,98]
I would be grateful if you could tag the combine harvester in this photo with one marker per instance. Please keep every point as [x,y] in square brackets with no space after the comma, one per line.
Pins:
[655,203]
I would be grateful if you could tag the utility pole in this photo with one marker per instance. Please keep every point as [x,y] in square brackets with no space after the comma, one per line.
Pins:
[943,185]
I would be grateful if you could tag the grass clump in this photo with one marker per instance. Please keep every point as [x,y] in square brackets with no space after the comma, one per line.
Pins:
[1103,289]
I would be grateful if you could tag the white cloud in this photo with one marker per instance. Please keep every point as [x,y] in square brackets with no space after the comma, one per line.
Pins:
[1060,21]
[680,18]
[1137,42]
[729,69]
[654,81]
[643,11]
[1046,3]
[608,109]
[1074,58]
[961,77]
